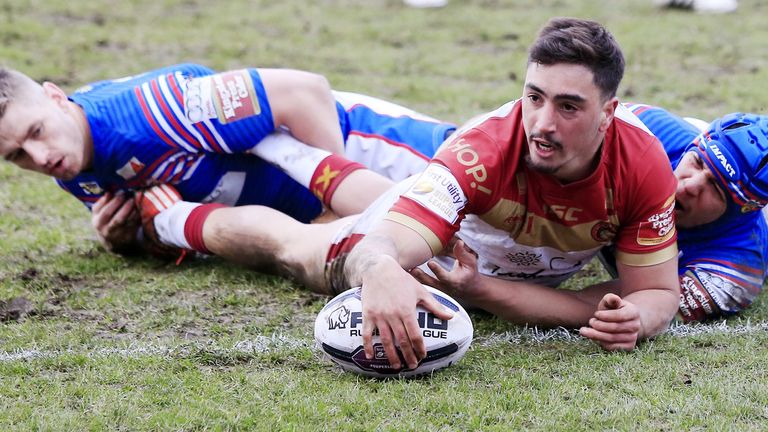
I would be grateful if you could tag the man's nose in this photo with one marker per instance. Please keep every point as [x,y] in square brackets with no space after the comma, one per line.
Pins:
[37,152]
[546,119]
[693,184]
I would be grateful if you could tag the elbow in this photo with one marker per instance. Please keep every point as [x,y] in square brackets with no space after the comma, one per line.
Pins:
[313,84]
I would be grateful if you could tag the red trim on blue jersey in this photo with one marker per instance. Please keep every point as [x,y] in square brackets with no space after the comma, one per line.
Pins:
[171,117]
[638,109]
[151,119]
[138,181]
[200,127]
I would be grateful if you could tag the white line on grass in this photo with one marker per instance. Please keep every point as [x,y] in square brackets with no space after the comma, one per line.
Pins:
[278,343]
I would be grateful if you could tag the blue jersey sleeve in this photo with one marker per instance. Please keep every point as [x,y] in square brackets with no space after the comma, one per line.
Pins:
[227,112]
[722,275]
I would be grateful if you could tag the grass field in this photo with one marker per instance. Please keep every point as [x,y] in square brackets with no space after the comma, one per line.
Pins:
[92,341]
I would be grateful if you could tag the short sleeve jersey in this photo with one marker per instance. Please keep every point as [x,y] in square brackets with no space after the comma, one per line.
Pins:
[525,224]
[723,264]
[188,126]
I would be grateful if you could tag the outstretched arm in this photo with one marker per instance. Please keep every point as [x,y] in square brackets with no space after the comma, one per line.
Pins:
[303,102]
[613,314]
[390,294]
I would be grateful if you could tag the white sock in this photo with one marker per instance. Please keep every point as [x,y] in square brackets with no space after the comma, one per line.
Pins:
[170,223]
[297,159]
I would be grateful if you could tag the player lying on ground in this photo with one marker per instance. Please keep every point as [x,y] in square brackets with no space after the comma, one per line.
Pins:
[723,260]
[541,184]
[187,126]
[722,185]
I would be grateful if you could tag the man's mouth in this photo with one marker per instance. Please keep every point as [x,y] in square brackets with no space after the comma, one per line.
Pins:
[57,170]
[545,145]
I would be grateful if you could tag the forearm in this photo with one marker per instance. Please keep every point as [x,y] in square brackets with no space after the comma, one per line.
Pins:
[657,309]
[373,254]
[655,292]
[390,248]
[526,303]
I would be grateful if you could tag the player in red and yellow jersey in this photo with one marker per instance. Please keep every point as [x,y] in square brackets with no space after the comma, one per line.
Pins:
[559,173]
[537,186]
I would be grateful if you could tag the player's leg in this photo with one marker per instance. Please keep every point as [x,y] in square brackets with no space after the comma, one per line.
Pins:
[344,186]
[256,236]
[267,240]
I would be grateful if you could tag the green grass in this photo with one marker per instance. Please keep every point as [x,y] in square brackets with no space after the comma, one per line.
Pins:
[132,344]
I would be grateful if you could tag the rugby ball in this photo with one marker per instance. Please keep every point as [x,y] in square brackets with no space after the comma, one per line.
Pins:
[339,327]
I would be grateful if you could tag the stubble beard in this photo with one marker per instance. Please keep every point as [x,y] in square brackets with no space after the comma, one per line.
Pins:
[542,167]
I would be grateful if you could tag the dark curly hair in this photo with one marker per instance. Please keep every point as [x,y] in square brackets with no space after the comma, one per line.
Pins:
[582,42]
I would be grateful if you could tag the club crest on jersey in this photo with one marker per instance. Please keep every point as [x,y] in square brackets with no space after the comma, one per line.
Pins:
[603,232]
[91,188]
[130,169]
[228,97]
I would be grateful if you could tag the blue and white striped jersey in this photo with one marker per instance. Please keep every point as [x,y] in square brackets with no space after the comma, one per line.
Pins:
[191,127]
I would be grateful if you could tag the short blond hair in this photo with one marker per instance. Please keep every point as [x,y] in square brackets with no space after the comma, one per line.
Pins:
[11,81]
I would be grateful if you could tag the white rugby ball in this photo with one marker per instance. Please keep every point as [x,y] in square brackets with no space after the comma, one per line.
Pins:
[339,328]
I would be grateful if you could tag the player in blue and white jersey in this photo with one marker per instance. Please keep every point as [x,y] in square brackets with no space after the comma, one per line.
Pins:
[193,128]
[722,185]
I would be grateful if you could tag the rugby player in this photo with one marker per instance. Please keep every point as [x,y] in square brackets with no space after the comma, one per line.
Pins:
[539,186]
[190,127]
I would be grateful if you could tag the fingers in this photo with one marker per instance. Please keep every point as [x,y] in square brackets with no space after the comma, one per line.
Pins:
[126,213]
[121,215]
[464,254]
[105,211]
[610,341]
[403,333]
[625,312]
[441,273]
[632,326]
[609,301]
[368,328]
[101,202]
[614,329]
[430,303]
[424,277]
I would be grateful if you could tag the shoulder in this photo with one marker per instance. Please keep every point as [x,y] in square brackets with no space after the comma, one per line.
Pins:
[634,152]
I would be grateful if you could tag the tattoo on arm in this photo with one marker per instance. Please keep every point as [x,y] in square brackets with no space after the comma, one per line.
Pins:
[367,254]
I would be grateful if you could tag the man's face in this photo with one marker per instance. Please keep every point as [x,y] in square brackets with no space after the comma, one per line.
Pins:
[565,119]
[39,132]
[699,198]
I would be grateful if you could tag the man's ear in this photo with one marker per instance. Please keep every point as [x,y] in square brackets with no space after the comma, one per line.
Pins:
[607,114]
[55,93]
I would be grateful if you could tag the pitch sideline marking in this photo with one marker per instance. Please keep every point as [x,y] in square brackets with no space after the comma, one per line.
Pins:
[281,343]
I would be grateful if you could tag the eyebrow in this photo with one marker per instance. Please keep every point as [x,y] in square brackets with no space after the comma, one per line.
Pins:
[32,126]
[560,96]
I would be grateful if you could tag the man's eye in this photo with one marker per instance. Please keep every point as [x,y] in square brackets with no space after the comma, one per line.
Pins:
[697,160]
